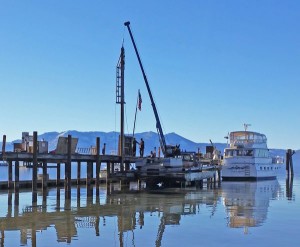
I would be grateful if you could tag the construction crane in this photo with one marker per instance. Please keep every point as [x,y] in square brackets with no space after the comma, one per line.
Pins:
[167,150]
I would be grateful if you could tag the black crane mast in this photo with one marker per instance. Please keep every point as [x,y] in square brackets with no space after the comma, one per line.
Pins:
[158,124]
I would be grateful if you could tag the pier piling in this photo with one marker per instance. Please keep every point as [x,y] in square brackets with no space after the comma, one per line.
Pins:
[98,164]
[57,174]
[34,169]
[289,162]
[68,169]
[289,173]
[3,146]
[10,171]
[78,172]
[45,179]
[17,173]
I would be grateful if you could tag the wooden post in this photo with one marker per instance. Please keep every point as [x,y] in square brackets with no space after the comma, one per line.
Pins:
[78,196]
[287,160]
[45,179]
[66,175]
[112,169]
[3,146]
[58,174]
[78,172]
[89,171]
[17,174]
[89,178]
[9,200]
[68,169]
[97,165]
[108,174]
[10,184]
[17,197]
[58,199]
[219,178]
[34,169]
[291,163]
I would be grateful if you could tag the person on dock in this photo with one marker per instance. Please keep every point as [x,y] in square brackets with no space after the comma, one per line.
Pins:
[154,152]
[134,142]
[142,147]
[104,148]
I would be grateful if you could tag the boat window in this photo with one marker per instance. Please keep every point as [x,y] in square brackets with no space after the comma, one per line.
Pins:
[263,153]
[229,153]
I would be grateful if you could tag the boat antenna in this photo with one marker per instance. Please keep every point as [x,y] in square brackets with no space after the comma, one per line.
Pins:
[246,126]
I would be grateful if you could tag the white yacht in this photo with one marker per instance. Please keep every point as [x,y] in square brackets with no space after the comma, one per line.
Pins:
[248,158]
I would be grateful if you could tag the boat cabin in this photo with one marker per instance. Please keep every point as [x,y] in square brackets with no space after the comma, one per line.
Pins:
[242,138]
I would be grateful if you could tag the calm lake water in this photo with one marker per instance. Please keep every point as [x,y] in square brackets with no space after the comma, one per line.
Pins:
[265,213]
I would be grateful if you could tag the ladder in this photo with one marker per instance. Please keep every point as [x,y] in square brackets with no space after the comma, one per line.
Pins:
[247,171]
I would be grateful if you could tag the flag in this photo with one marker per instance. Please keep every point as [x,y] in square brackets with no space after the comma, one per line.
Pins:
[140,101]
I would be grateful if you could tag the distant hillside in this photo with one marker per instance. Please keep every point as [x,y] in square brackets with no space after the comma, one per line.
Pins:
[88,139]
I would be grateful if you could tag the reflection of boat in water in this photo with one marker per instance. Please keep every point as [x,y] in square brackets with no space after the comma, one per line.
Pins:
[248,158]
[247,203]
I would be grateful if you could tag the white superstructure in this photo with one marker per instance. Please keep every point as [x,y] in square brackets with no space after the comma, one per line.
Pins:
[248,158]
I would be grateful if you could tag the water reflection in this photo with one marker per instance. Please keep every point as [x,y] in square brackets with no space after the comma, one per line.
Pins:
[112,213]
[247,203]
[128,207]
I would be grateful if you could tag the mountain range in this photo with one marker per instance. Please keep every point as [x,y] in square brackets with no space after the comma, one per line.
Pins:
[88,138]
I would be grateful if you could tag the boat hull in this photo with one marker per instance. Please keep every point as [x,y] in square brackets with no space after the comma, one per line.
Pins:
[250,171]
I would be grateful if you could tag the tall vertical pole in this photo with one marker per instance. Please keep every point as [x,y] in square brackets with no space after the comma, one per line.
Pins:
[122,106]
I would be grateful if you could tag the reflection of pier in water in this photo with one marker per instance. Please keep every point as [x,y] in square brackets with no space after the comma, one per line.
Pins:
[90,211]
[247,203]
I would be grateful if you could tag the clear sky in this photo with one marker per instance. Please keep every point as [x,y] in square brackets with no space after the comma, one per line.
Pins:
[212,66]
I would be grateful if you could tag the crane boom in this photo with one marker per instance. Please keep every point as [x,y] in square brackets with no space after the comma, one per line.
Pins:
[158,124]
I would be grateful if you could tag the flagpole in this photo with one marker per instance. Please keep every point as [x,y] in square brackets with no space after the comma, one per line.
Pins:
[137,102]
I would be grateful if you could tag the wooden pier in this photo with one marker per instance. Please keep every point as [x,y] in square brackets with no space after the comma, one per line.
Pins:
[43,160]
[53,160]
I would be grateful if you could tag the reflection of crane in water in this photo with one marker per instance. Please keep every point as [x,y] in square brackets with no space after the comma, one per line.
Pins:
[160,232]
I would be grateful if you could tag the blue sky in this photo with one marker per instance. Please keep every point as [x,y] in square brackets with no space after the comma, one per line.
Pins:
[212,66]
